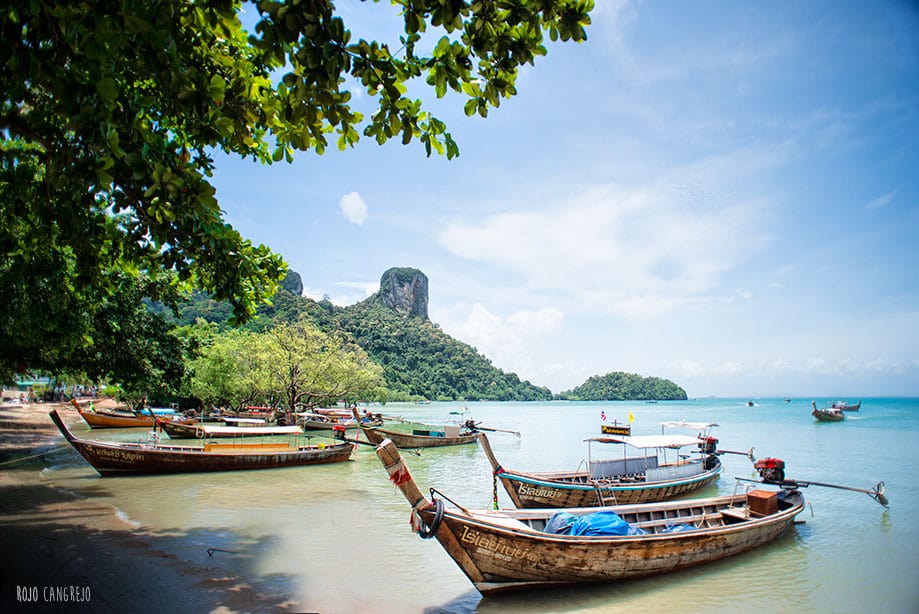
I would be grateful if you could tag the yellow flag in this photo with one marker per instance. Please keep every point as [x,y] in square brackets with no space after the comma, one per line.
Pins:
[631,417]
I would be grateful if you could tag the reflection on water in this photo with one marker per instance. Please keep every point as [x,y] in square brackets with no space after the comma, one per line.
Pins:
[336,538]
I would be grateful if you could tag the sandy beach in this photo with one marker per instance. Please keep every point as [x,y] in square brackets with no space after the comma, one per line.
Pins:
[63,552]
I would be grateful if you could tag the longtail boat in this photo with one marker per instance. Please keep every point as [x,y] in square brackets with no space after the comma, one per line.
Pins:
[827,414]
[451,435]
[846,406]
[102,419]
[502,550]
[120,458]
[313,421]
[626,479]
[117,419]
[198,430]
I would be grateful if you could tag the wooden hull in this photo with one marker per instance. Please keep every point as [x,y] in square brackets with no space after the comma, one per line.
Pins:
[110,458]
[561,489]
[510,550]
[319,425]
[824,415]
[541,490]
[106,420]
[847,406]
[496,556]
[404,440]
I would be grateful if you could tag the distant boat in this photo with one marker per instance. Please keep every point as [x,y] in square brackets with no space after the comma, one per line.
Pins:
[749,403]
[312,421]
[119,419]
[827,414]
[846,406]
[121,458]
[449,435]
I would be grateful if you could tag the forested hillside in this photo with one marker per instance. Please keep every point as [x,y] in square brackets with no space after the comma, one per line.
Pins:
[619,386]
[419,360]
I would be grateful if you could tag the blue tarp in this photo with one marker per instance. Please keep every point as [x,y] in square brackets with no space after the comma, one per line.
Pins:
[677,528]
[597,523]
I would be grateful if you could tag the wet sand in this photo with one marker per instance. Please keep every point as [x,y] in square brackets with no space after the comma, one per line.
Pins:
[63,552]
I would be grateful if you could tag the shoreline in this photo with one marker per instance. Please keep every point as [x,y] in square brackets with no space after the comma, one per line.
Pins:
[65,551]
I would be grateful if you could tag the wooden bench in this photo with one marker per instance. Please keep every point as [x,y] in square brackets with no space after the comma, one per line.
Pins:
[736,514]
[707,519]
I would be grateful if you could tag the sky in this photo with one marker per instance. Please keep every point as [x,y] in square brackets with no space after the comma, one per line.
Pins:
[724,194]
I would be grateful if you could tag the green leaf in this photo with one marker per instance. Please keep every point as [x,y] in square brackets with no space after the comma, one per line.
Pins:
[106,88]
[217,88]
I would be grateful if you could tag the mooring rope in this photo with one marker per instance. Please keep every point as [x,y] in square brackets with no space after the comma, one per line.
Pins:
[22,458]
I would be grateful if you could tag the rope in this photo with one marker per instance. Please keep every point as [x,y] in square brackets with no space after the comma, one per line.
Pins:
[494,488]
[398,473]
[424,531]
[22,458]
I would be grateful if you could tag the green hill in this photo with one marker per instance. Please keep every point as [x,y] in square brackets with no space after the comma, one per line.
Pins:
[619,386]
[419,360]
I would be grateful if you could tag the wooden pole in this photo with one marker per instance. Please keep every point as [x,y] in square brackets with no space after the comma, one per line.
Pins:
[489,453]
[398,472]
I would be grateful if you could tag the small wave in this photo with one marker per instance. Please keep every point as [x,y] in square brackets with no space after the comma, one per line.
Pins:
[69,492]
[126,519]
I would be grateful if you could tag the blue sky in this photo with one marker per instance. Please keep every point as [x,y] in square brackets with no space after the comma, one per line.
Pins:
[724,194]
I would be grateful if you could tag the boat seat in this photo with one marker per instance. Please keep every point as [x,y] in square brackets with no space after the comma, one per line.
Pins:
[735,514]
[707,519]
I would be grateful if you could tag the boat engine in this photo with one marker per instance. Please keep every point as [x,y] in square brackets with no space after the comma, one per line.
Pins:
[338,431]
[709,445]
[771,469]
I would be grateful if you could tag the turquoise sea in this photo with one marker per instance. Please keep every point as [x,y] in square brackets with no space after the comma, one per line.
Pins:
[336,538]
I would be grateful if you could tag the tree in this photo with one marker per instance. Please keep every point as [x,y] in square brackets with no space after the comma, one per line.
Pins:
[228,370]
[110,113]
[309,368]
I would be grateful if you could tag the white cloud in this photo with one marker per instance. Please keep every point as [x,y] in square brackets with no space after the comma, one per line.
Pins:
[881,201]
[504,340]
[341,299]
[353,207]
[638,253]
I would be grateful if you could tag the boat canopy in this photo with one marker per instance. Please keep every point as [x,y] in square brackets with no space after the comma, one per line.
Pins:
[682,424]
[208,429]
[650,441]
[229,419]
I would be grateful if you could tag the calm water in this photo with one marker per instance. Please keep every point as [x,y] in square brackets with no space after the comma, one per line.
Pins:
[336,538]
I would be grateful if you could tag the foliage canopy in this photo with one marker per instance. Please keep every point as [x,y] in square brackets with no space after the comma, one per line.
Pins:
[109,117]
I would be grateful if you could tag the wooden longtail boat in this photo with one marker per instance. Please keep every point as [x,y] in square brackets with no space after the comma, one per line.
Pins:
[197,430]
[828,414]
[617,481]
[312,421]
[510,549]
[101,419]
[846,406]
[117,458]
[452,435]
[105,419]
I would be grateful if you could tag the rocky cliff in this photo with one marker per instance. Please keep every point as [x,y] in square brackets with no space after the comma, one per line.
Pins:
[405,291]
